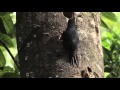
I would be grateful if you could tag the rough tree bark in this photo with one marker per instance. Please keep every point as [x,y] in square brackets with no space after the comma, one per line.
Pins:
[41,53]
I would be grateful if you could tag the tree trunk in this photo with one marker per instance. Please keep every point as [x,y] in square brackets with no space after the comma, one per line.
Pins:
[40,49]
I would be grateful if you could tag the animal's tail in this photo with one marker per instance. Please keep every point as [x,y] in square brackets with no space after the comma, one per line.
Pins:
[73,59]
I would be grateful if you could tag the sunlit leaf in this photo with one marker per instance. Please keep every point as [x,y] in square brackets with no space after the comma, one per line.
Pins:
[109,15]
[116,35]
[13,16]
[106,74]
[107,36]
[103,24]
[106,44]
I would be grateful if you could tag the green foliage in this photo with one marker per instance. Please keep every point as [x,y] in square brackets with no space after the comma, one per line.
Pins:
[109,15]
[2,59]
[110,27]
[7,35]
[8,72]
[6,39]
[7,21]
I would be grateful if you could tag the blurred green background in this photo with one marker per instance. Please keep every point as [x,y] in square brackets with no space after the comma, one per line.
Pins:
[7,34]
[110,31]
[110,28]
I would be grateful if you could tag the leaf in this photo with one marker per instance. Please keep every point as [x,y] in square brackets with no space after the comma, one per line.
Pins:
[1,73]
[108,53]
[106,74]
[109,15]
[3,13]
[6,39]
[107,36]
[116,35]
[9,72]
[8,69]
[13,17]
[112,47]
[8,23]
[2,59]
[106,43]
[108,69]
[10,75]
[103,24]
[2,28]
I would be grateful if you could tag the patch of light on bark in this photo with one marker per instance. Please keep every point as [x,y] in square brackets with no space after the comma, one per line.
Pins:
[26,58]
[27,74]
[28,44]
